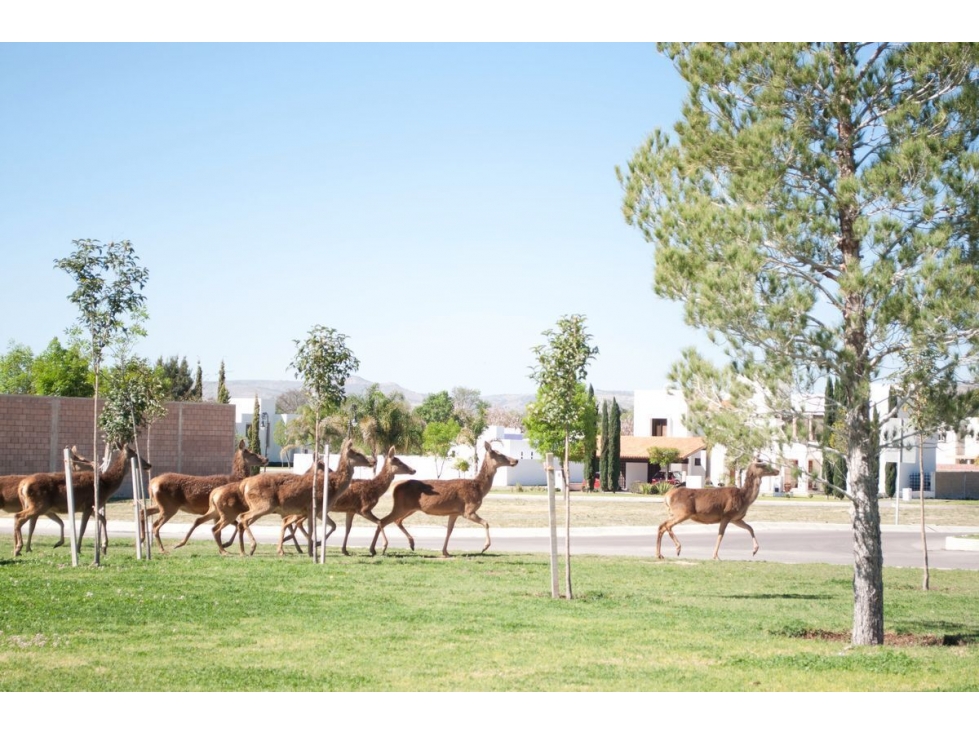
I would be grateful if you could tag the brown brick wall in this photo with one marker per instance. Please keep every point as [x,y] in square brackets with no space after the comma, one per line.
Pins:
[192,438]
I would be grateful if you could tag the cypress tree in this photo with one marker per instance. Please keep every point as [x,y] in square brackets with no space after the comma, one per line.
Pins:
[614,445]
[829,418]
[223,395]
[198,391]
[603,454]
[254,439]
[589,442]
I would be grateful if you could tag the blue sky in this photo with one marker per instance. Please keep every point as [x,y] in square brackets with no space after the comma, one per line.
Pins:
[441,204]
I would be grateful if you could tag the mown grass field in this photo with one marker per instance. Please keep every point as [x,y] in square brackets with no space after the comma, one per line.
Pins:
[414,622]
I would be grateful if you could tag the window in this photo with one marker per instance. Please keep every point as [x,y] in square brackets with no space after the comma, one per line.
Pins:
[696,462]
[658,426]
[915,481]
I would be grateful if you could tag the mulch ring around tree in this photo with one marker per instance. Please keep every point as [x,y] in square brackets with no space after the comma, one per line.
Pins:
[893,639]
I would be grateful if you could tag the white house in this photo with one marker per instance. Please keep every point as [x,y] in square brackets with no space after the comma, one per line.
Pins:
[529,470]
[660,413]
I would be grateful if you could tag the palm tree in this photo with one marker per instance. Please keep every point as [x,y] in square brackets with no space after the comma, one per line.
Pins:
[385,421]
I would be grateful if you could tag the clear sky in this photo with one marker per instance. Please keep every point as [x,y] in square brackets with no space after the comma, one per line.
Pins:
[441,204]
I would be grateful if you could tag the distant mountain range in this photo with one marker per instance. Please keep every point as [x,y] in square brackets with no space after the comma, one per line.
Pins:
[271,389]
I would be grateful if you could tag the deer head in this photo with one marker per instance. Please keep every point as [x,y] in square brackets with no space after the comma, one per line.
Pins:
[495,458]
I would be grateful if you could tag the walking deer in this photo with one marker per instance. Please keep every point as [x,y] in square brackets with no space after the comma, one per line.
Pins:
[172,492]
[363,495]
[225,504]
[722,505]
[451,497]
[290,496]
[10,498]
[43,493]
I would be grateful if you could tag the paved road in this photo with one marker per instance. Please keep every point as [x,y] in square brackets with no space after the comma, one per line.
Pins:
[780,542]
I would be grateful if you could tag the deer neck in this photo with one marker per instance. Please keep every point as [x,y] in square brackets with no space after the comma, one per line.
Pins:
[116,471]
[340,479]
[484,480]
[752,485]
[239,470]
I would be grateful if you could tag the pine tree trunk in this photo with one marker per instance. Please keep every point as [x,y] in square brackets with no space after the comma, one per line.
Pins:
[868,559]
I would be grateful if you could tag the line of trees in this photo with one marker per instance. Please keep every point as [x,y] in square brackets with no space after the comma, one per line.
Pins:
[66,371]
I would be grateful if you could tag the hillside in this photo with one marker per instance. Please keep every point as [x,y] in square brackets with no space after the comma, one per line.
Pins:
[271,389]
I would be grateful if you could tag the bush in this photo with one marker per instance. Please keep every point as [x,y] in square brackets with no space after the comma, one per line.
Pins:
[654,488]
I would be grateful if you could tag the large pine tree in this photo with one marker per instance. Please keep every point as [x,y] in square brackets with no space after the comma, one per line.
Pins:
[815,209]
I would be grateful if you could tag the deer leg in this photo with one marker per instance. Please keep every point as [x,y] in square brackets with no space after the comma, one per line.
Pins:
[19,519]
[746,526]
[197,523]
[448,532]
[348,522]
[331,527]
[216,532]
[667,527]
[86,513]
[247,518]
[367,515]
[242,529]
[159,523]
[30,534]
[480,521]
[720,537]
[411,541]
[51,516]
[104,533]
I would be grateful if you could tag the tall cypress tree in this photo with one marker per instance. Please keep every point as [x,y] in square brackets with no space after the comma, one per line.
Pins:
[614,445]
[829,418]
[198,390]
[603,454]
[254,439]
[223,395]
[589,442]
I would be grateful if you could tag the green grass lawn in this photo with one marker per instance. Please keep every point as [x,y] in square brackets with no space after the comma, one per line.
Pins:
[414,622]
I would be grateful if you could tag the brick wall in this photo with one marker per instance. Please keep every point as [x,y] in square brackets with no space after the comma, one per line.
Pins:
[192,438]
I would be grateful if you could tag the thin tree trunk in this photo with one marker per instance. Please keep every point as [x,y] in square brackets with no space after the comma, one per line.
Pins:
[921,498]
[95,467]
[567,519]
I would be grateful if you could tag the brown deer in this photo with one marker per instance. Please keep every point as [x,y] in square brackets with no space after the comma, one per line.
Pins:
[43,493]
[363,495]
[714,505]
[225,504]
[451,497]
[173,492]
[10,498]
[291,496]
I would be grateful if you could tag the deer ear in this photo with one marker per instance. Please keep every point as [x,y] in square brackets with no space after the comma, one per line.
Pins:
[486,445]
[241,445]
[391,452]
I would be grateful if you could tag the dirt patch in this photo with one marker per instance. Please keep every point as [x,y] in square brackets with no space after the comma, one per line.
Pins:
[893,639]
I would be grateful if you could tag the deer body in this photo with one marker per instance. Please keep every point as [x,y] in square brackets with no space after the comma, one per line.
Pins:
[723,505]
[172,492]
[10,498]
[363,495]
[290,496]
[10,502]
[43,493]
[444,497]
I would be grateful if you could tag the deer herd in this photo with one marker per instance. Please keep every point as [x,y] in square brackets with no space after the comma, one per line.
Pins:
[240,498]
